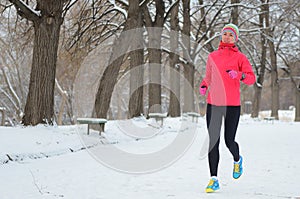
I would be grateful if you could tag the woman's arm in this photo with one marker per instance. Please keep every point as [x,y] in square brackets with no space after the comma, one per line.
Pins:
[248,76]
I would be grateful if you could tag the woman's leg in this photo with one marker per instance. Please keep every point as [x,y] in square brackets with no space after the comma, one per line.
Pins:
[213,122]
[231,124]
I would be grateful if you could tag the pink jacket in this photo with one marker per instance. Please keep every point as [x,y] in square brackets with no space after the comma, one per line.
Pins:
[223,90]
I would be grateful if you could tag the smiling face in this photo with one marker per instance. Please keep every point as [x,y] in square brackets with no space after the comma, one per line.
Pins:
[228,37]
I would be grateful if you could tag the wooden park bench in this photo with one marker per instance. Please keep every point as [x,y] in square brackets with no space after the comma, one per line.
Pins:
[158,117]
[90,121]
[271,119]
[194,116]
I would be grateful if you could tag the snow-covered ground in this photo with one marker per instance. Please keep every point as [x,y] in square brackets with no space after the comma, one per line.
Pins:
[139,159]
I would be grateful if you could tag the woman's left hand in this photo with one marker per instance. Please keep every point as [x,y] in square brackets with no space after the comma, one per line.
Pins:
[233,74]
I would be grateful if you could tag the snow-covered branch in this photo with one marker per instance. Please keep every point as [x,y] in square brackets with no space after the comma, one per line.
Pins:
[9,98]
[124,3]
[11,89]
[117,8]
[171,8]
[143,3]
[25,10]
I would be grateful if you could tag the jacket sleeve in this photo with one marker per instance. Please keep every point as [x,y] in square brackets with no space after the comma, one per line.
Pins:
[207,79]
[246,69]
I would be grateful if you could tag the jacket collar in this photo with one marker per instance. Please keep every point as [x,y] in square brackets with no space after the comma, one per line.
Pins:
[232,47]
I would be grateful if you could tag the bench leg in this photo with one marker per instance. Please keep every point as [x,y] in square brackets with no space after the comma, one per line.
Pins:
[101,128]
[160,120]
[157,120]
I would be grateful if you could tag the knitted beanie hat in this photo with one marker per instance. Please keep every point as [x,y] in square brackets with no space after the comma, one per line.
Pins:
[231,28]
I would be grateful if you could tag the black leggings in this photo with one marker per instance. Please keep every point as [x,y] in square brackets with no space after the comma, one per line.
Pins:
[214,115]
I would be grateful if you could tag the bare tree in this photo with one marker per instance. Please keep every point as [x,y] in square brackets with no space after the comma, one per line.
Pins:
[87,26]
[293,72]
[47,18]
[87,29]
[263,22]
[288,50]
[111,72]
[13,64]
[136,61]
[174,105]
[274,75]
[154,29]
[189,67]
[92,22]
[15,53]
[276,33]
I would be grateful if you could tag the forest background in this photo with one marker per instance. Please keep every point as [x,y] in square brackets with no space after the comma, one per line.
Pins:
[64,59]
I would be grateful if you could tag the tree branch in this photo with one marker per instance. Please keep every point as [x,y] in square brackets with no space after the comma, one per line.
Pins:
[170,9]
[124,3]
[68,6]
[25,11]
[287,71]
[147,17]
[144,3]
[5,6]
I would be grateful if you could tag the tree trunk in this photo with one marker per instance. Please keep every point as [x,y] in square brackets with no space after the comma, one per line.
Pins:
[154,48]
[263,18]
[189,68]
[155,79]
[274,80]
[39,106]
[235,12]
[189,104]
[111,72]
[274,74]
[297,114]
[174,105]
[110,75]
[136,63]
[256,101]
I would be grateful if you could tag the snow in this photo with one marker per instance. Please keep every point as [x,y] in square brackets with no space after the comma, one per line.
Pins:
[64,162]
[258,85]
[35,12]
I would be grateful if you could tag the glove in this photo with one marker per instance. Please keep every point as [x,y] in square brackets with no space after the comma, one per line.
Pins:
[202,90]
[236,75]
[232,74]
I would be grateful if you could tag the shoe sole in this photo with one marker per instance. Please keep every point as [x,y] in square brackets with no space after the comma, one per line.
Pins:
[238,176]
[209,190]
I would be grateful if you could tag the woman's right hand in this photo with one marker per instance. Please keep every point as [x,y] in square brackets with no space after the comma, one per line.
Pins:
[202,90]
